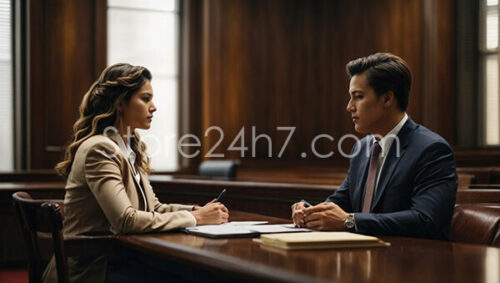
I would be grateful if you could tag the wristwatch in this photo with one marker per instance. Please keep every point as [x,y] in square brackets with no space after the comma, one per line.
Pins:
[349,222]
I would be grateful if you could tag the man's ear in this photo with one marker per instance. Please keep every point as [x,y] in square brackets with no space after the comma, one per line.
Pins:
[388,98]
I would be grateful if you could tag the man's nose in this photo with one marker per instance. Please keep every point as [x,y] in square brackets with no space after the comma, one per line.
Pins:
[350,106]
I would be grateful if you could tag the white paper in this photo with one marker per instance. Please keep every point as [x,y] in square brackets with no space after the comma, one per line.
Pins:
[277,228]
[221,230]
[238,223]
[245,227]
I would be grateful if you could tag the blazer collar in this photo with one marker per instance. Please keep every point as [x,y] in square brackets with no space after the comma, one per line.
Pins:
[389,166]
[127,154]
[393,159]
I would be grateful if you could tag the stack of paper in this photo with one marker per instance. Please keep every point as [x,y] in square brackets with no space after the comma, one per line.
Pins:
[242,229]
[320,240]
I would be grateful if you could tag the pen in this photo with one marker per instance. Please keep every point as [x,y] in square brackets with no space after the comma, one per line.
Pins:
[220,195]
[306,203]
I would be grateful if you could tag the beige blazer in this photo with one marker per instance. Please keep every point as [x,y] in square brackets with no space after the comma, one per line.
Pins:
[102,197]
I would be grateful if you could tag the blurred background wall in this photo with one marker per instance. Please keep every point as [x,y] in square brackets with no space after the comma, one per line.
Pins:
[256,63]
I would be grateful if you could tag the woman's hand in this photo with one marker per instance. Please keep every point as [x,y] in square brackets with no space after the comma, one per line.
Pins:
[211,213]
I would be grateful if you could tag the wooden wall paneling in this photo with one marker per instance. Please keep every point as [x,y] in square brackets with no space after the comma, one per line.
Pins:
[477,158]
[36,77]
[67,53]
[467,78]
[282,63]
[438,97]
[268,198]
[190,70]
[250,63]
[446,77]
[100,42]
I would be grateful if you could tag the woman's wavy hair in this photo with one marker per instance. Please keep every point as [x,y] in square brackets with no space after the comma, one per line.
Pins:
[100,109]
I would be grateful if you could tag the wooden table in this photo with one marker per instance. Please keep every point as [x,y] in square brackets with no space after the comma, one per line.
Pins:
[406,260]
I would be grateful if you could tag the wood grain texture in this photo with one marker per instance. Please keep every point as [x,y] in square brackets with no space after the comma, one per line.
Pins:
[190,70]
[405,260]
[250,63]
[282,63]
[272,199]
[68,52]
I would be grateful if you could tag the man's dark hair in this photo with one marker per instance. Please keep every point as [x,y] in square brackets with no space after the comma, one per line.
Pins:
[384,72]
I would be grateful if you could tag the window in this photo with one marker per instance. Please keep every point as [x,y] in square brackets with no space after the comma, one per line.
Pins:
[6,96]
[147,33]
[489,72]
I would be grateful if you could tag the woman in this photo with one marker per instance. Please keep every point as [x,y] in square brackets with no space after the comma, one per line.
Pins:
[107,189]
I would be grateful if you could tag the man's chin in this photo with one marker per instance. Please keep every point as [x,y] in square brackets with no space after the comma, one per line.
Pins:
[359,129]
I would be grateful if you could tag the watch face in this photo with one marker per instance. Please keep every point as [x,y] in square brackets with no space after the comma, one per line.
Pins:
[349,224]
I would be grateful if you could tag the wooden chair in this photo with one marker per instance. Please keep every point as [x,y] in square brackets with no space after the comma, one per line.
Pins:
[41,222]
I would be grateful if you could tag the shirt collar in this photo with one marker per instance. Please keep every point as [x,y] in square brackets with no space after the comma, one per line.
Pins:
[125,148]
[387,140]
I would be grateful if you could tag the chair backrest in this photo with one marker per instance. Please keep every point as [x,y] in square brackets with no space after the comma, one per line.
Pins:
[41,217]
[225,169]
[476,223]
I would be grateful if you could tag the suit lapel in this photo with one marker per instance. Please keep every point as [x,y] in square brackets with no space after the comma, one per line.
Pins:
[392,160]
[148,192]
[131,175]
[361,173]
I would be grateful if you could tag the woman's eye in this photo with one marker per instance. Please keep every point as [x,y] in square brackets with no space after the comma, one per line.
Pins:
[358,96]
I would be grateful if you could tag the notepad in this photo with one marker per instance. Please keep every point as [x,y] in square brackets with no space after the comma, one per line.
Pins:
[242,229]
[320,240]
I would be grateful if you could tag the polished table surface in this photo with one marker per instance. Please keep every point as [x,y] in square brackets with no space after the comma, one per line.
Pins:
[406,260]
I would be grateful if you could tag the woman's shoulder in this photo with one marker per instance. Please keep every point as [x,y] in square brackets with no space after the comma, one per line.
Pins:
[96,148]
[99,142]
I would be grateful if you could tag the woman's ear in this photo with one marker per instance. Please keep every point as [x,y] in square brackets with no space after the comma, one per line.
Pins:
[119,108]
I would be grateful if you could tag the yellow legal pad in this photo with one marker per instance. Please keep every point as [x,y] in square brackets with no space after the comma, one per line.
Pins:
[319,240]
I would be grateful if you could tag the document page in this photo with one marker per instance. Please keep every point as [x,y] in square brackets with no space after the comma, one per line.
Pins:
[242,229]
[278,228]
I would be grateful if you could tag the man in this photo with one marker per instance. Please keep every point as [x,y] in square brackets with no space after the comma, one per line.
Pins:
[406,184]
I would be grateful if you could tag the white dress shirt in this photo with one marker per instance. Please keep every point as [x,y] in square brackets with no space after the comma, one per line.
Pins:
[385,144]
[130,154]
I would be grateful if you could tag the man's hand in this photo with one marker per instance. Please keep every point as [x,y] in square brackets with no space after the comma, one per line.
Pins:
[211,213]
[298,214]
[325,216]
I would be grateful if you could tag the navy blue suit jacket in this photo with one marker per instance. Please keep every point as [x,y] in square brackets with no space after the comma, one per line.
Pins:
[416,191]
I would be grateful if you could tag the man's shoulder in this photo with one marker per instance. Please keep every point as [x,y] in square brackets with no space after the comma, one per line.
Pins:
[423,137]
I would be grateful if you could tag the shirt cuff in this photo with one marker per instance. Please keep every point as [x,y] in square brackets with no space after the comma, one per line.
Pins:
[354,219]
[194,218]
